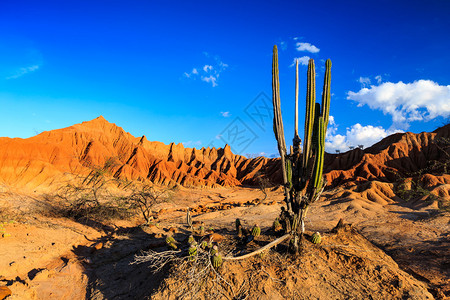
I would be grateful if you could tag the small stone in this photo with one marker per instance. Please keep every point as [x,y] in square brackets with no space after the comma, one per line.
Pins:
[98,246]
[217,238]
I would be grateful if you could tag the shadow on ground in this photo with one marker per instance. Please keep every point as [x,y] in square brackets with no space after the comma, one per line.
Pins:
[107,264]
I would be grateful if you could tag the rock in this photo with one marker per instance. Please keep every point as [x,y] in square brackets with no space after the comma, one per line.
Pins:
[215,237]
[97,246]
[5,292]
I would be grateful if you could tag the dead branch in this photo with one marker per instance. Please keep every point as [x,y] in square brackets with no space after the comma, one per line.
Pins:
[266,247]
[156,260]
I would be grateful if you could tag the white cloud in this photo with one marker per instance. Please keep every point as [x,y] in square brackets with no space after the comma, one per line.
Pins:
[365,81]
[307,47]
[378,78]
[222,65]
[191,74]
[355,135]
[336,142]
[225,114]
[255,155]
[207,68]
[332,126]
[421,100]
[301,60]
[22,71]
[283,45]
[211,79]
[209,72]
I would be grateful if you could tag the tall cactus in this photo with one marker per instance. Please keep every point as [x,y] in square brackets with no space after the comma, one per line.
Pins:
[302,174]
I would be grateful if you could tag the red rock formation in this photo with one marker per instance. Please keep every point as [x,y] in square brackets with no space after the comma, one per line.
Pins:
[396,156]
[55,156]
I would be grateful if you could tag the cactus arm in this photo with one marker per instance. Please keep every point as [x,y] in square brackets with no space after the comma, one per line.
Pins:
[319,154]
[278,122]
[296,100]
[295,150]
[289,173]
[326,93]
[309,116]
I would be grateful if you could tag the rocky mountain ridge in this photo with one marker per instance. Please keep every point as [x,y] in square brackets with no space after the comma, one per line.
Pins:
[55,156]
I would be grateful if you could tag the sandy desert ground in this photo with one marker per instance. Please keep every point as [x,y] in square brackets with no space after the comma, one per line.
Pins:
[56,258]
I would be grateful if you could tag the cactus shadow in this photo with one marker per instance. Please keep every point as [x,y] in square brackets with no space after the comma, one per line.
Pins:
[107,265]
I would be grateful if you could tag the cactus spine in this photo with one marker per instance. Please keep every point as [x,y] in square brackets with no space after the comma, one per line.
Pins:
[302,170]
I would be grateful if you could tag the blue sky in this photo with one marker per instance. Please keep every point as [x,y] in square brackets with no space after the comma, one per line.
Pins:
[200,72]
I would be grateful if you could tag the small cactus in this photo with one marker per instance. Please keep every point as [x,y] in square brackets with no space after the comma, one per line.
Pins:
[256,231]
[170,241]
[188,218]
[204,244]
[202,228]
[277,225]
[316,238]
[239,231]
[192,252]
[217,260]
[238,224]
[214,250]
[191,239]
